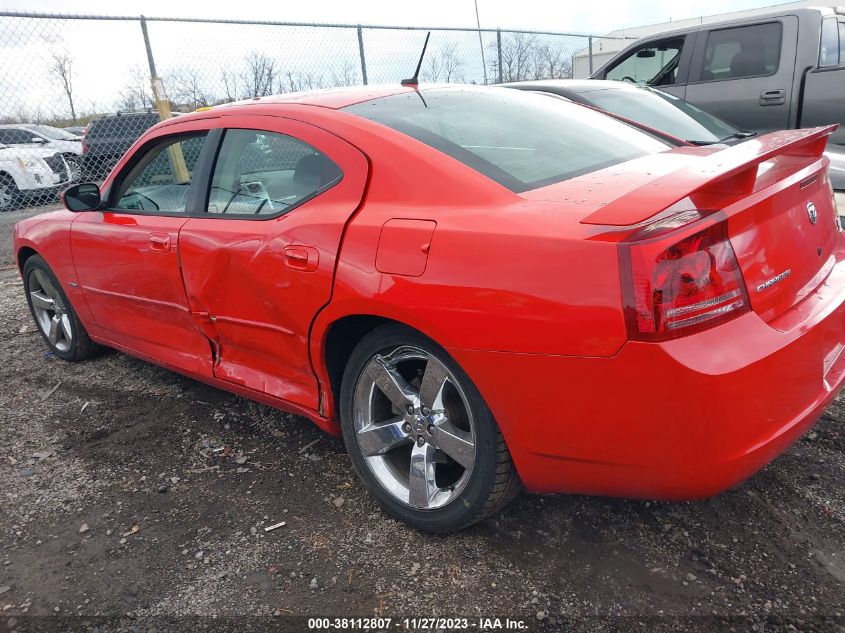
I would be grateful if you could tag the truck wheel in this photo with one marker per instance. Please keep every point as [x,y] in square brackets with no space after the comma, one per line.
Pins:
[420,435]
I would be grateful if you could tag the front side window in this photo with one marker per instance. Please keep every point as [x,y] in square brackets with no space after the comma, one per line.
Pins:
[743,51]
[159,181]
[261,173]
[654,64]
[519,139]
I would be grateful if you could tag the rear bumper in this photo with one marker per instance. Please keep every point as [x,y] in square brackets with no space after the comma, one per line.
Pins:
[683,419]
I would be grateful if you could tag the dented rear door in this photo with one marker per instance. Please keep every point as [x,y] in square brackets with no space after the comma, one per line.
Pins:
[258,262]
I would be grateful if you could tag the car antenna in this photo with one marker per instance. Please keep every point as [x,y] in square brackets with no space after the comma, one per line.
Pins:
[414,81]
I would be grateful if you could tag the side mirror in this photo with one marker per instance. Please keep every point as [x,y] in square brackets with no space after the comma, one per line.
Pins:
[82,197]
[37,139]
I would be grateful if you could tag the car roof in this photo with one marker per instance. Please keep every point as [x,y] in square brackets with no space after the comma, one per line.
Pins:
[337,98]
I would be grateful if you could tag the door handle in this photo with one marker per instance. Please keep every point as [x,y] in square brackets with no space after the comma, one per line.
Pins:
[773,97]
[302,258]
[159,242]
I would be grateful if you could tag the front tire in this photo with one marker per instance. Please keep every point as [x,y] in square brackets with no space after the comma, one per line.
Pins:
[419,434]
[53,313]
[10,195]
[74,168]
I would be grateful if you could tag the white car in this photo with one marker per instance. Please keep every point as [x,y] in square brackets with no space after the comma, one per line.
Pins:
[31,135]
[30,175]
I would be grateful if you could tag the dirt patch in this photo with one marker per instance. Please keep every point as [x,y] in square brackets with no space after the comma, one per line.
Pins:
[135,494]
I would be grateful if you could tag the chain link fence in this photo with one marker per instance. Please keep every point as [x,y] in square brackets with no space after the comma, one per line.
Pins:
[77,91]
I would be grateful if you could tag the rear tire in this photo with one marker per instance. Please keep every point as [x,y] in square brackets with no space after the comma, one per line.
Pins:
[53,313]
[430,452]
[10,195]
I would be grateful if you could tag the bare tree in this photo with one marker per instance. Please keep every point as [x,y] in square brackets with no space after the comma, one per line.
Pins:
[230,85]
[445,65]
[185,88]
[295,80]
[517,55]
[556,64]
[135,94]
[347,76]
[63,69]
[259,76]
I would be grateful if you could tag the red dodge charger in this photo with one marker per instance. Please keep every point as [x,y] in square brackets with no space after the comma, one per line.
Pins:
[479,288]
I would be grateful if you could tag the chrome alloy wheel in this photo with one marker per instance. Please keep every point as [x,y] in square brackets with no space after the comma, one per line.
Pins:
[49,309]
[414,427]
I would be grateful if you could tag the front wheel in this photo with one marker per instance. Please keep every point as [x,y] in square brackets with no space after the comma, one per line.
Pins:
[74,168]
[54,315]
[419,434]
[10,195]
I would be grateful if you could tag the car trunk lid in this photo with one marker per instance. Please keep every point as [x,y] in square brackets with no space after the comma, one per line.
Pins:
[775,194]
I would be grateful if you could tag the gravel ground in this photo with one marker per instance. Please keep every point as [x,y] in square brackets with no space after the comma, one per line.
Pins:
[134,494]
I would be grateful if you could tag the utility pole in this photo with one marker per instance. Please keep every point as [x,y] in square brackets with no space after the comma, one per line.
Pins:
[177,158]
[480,43]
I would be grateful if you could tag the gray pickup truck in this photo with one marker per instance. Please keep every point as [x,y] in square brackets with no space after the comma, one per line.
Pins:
[779,70]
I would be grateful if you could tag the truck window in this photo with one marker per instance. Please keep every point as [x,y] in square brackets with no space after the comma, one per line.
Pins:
[655,64]
[842,43]
[743,51]
[829,46]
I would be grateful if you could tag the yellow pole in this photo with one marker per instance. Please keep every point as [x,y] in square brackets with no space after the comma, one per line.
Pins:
[177,158]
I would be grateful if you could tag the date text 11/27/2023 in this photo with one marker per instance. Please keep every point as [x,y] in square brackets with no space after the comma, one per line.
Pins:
[417,624]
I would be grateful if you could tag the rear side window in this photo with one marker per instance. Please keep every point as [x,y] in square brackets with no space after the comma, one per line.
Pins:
[744,51]
[14,136]
[830,53]
[263,173]
[842,43]
[519,139]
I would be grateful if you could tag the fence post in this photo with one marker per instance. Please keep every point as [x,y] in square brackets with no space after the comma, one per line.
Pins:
[499,52]
[590,44]
[361,53]
[163,108]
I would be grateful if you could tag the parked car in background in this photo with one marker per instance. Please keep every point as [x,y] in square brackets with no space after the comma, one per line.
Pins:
[105,140]
[30,174]
[478,288]
[76,130]
[642,105]
[836,154]
[779,70]
[30,136]
[663,112]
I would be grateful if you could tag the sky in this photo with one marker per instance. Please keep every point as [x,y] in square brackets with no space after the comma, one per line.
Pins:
[561,15]
[109,58]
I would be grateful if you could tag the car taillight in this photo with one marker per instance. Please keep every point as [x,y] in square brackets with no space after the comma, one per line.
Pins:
[85,146]
[677,282]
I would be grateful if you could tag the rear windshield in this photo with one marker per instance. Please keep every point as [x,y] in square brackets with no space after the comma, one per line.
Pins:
[520,140]
[130,126]
[662,111]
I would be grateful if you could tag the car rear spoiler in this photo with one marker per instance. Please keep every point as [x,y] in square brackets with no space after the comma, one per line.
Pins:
[729,171]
